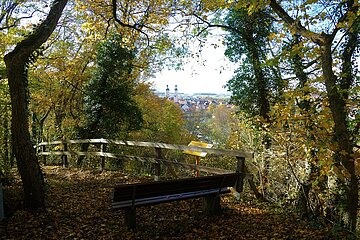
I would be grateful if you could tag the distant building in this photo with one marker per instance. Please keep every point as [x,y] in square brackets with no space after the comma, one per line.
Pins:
[167,92]
[196,101]
[176,99]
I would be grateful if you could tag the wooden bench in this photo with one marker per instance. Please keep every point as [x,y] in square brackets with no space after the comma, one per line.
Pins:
[130,196]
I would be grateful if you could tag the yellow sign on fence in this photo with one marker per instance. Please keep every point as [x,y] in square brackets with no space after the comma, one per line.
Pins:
[198,144]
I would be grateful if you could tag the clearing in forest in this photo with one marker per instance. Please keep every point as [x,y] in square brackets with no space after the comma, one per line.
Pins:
[79,207]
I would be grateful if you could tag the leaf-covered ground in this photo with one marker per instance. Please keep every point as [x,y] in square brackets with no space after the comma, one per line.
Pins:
[79,207]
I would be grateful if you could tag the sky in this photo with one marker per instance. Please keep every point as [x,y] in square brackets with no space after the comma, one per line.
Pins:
[197,77]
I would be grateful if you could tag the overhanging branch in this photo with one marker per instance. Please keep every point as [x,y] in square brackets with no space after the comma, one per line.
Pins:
[210,25]
[40,34]
[295,24]
[121,23]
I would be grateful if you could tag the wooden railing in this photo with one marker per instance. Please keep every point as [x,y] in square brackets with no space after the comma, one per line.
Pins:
[44,150]
[235,153]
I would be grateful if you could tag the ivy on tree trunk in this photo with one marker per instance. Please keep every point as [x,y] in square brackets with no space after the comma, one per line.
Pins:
[337,95]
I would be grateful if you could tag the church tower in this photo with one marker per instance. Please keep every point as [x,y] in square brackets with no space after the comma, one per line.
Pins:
[176,94]
[167,93]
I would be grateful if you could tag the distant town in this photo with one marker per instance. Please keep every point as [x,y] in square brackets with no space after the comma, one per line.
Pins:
[195,101]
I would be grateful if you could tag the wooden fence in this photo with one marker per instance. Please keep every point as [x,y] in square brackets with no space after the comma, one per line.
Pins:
[63,149]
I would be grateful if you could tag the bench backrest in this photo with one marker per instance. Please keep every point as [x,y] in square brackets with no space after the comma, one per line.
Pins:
[153,189]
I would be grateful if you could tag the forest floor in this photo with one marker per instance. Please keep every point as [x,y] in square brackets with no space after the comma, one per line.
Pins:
[79,207]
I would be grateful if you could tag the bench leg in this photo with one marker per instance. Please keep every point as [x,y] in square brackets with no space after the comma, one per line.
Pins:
[212,205]
[130,217]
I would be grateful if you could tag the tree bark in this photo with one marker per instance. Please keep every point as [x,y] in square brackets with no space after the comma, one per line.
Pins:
[16,66]
[6,137]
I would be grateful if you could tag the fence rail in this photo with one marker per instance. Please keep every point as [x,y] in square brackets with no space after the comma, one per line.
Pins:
[227,152]
[65,152]
[157,160]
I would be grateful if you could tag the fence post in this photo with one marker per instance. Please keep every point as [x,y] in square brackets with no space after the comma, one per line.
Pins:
[103,148]
[240,168]
[197,164]
[157,164]
[64,157]
[43,149]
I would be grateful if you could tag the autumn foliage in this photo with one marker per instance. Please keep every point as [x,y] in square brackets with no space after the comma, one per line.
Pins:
[296,96]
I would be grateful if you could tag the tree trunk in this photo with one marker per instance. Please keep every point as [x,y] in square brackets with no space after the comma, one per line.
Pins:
[16,66]
[303,204]
[37,126]
[261,81]
[59,118]
[343,154]
[262,101]
[27,162]
[6,137]
[84,147]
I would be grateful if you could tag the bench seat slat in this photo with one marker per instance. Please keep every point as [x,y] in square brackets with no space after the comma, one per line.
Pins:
[167,198]
[129,196]
[154,189]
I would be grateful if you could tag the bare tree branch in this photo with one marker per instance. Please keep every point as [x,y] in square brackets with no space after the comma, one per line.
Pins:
[41,33]
[210,25]
[295,24]
[7,13]
[135,26]
[5,10]
[315,37]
